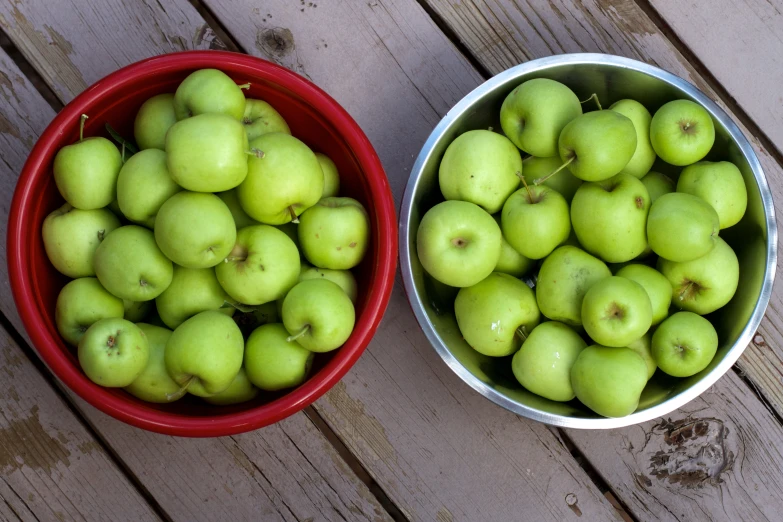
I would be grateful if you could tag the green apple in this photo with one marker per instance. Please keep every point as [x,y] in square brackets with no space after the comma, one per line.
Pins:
[261,118]
[705,284]
[682,132]
[610,217]
[136,311]
[564,279]
[658,288]
[192,290]
[643,346]
[86,171]
[81,303]
[71,237]
[331,176]
[644,156]
[154,119]
[616,311]
[262,266]
[335,233]
[154,383]
[113,352]
[480,167]
[284,179]
[195,230]
[597,145]
[510,261]
[273,362]
[318,314]
[143,185]
[564,182]
[231,199]
[204,353]
[721,185]
[657,185]
[496,314]
[240,390]
[682,227]
[535,112]
[684,344]
[209,91]
[130,265]
[343,278]
[458,243]
[207,153]
[609,381]
[543,363]
[535,221]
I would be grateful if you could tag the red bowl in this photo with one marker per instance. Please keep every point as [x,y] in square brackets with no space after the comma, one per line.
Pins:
[314,117]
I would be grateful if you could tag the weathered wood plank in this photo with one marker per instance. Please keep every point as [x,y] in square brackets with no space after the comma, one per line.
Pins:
[439,450]
[285,472]
[502,33]
[192,479]
[72,44]
[51,467]
[740,43]
[717,458]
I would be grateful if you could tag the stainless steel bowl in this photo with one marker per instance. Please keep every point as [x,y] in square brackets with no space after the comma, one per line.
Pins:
[613,78]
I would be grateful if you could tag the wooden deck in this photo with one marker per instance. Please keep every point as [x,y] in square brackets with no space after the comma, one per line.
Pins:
[400,437]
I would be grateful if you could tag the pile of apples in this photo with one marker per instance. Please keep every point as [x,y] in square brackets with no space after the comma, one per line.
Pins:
[226,222]
[628,261]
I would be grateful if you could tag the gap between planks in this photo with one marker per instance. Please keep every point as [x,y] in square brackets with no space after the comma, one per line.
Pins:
[591,472]
[355,464]
[342,450]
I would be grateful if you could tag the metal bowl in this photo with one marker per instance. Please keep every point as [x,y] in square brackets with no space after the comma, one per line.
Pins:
[754,239]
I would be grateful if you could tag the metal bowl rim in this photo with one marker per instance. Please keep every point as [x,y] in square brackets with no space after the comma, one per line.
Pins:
[670,404]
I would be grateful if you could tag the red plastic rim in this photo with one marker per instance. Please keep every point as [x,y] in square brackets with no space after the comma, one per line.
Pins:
[50,347]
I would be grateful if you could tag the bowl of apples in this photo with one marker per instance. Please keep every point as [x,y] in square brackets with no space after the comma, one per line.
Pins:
[202,243]
[588,241]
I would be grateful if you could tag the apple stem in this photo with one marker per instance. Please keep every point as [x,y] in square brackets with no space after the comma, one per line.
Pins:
[558,169]
[521,333]
[82,119]
[594,96]
[245,86]
[685,290]
[298,335]
[258,153]
[177,394]
[529,193]
[294,218]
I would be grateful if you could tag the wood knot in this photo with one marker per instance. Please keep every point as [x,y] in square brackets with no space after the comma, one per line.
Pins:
[277,41]
[691,453]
